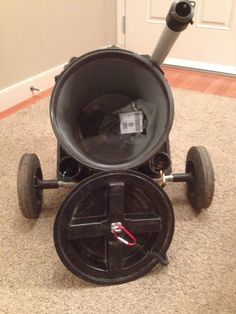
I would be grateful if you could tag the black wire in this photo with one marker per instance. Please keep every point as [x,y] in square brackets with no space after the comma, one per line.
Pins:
[163,260]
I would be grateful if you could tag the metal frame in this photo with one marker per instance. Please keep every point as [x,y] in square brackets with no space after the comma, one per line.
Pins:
[162,180]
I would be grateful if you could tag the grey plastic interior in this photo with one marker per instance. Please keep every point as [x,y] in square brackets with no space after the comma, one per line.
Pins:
[88,102]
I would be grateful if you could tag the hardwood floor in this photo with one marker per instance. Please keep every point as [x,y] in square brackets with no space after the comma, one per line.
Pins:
[25,104]
[201,81]
[180,78]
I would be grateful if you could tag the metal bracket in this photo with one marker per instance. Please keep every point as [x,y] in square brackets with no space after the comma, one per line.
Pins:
[116,227]
[124,24]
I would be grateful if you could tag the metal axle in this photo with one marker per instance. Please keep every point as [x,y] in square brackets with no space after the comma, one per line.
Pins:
[55,184]
[177,177]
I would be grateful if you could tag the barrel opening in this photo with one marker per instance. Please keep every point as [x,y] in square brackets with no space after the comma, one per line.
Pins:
[111,110]
[183,9]
[69,168]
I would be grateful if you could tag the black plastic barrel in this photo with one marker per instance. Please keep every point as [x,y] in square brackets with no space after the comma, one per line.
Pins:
[111,109]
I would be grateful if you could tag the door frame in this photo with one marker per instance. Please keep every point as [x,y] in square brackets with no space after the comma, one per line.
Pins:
[190,64]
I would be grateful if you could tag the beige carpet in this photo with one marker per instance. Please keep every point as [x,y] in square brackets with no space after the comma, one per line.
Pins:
[201,277]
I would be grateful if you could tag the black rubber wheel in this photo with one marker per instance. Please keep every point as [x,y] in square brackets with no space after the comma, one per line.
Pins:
[200,190]
[82,229]
[29,197]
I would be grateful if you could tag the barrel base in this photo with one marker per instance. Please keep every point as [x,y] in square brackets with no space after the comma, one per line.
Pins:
[70,169]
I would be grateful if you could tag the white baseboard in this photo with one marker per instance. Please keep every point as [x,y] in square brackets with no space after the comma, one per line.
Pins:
[210,67]
[19,92]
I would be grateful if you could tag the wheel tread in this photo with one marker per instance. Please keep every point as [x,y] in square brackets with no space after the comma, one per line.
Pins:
[28,201]
[202,196]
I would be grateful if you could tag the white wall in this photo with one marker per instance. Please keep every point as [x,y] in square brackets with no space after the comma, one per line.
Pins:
[37,35]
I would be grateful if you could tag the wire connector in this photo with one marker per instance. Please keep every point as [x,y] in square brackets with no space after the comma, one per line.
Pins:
[117,228]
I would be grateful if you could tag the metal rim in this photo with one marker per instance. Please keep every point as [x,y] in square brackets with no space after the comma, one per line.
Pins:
[84,241]
[38,192]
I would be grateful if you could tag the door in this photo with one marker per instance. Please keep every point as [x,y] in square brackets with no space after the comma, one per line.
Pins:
[209,43]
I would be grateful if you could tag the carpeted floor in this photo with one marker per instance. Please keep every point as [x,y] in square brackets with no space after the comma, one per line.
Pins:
[201,277]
